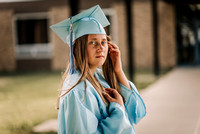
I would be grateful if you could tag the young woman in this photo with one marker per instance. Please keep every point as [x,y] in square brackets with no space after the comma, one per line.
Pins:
[94,100]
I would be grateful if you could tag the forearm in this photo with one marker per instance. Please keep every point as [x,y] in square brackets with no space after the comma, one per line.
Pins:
[121,77]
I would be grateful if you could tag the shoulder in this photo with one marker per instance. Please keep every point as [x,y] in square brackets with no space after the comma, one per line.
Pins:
[72,97]
[78,95]
[76,88]
[82,88]
[74,94]
[71,80]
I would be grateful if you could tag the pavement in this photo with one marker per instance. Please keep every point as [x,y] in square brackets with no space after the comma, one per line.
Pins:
[47,126]
[172,102]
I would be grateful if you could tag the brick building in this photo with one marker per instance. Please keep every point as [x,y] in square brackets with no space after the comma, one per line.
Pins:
[27,43]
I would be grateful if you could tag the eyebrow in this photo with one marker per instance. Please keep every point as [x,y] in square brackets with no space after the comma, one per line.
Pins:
[96,39]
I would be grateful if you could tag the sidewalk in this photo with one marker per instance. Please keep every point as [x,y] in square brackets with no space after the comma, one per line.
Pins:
[173,104]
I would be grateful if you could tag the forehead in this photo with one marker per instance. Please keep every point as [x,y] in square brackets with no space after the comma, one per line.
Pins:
[96,36]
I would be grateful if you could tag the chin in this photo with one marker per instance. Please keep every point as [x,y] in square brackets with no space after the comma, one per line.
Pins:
[97,63]
[100,64]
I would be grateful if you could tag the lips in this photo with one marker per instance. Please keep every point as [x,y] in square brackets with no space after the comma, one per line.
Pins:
[100,56]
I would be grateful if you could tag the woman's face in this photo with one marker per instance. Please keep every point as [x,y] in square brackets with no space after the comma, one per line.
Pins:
[97,49]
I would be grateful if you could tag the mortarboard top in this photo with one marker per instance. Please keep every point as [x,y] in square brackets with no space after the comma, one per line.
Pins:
[90,21]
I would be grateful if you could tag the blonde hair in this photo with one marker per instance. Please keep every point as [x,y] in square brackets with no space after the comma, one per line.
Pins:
[81,64]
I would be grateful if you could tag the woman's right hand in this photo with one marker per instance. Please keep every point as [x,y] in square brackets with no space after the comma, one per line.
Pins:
[113,96]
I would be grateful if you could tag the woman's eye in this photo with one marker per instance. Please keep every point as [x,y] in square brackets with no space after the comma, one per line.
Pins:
[104,42]
[92,42]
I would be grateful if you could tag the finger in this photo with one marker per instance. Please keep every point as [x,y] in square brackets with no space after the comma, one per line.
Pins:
[108,97]
[114,50]
[110,47]
[113,45]
[110,90]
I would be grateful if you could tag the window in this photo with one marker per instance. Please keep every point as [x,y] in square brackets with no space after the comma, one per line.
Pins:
[32,31]
[32,36]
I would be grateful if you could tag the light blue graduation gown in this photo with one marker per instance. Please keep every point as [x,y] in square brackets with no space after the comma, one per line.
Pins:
[90,115]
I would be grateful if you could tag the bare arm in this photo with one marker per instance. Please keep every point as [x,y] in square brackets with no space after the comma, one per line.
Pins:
[121,77]
[117,65]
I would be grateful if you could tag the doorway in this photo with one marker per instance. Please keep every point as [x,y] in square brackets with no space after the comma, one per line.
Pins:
[188,34]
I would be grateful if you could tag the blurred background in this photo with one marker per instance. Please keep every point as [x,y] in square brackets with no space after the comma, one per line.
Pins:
[154,36]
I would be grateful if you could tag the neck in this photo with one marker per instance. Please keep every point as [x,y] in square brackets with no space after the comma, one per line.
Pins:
[93,69]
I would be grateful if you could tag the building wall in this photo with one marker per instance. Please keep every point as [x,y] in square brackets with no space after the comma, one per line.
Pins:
[60,56]
[84,4]
[7,58]
[121,31]
[142,34]
[166,41]
[32,5]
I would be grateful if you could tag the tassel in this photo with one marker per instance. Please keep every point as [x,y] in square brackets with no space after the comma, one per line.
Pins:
[71,62]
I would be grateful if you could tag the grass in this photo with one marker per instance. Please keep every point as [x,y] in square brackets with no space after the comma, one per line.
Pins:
[27,99]
[143,79]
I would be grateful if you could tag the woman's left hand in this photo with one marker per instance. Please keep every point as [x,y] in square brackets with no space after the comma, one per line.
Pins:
[115,56]
[113,96]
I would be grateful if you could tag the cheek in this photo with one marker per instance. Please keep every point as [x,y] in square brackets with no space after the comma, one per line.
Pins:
[90,53]
[106,50]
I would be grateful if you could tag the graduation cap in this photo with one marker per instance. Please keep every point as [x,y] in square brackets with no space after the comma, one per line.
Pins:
[90,21]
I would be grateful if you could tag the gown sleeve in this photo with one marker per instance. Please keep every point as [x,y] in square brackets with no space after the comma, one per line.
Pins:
[75,118]
[134,104]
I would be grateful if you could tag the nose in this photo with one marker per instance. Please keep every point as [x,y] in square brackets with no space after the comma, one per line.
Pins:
[100,47]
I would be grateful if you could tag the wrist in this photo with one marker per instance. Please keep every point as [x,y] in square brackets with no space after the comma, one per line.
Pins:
[119,71]
[118,105]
